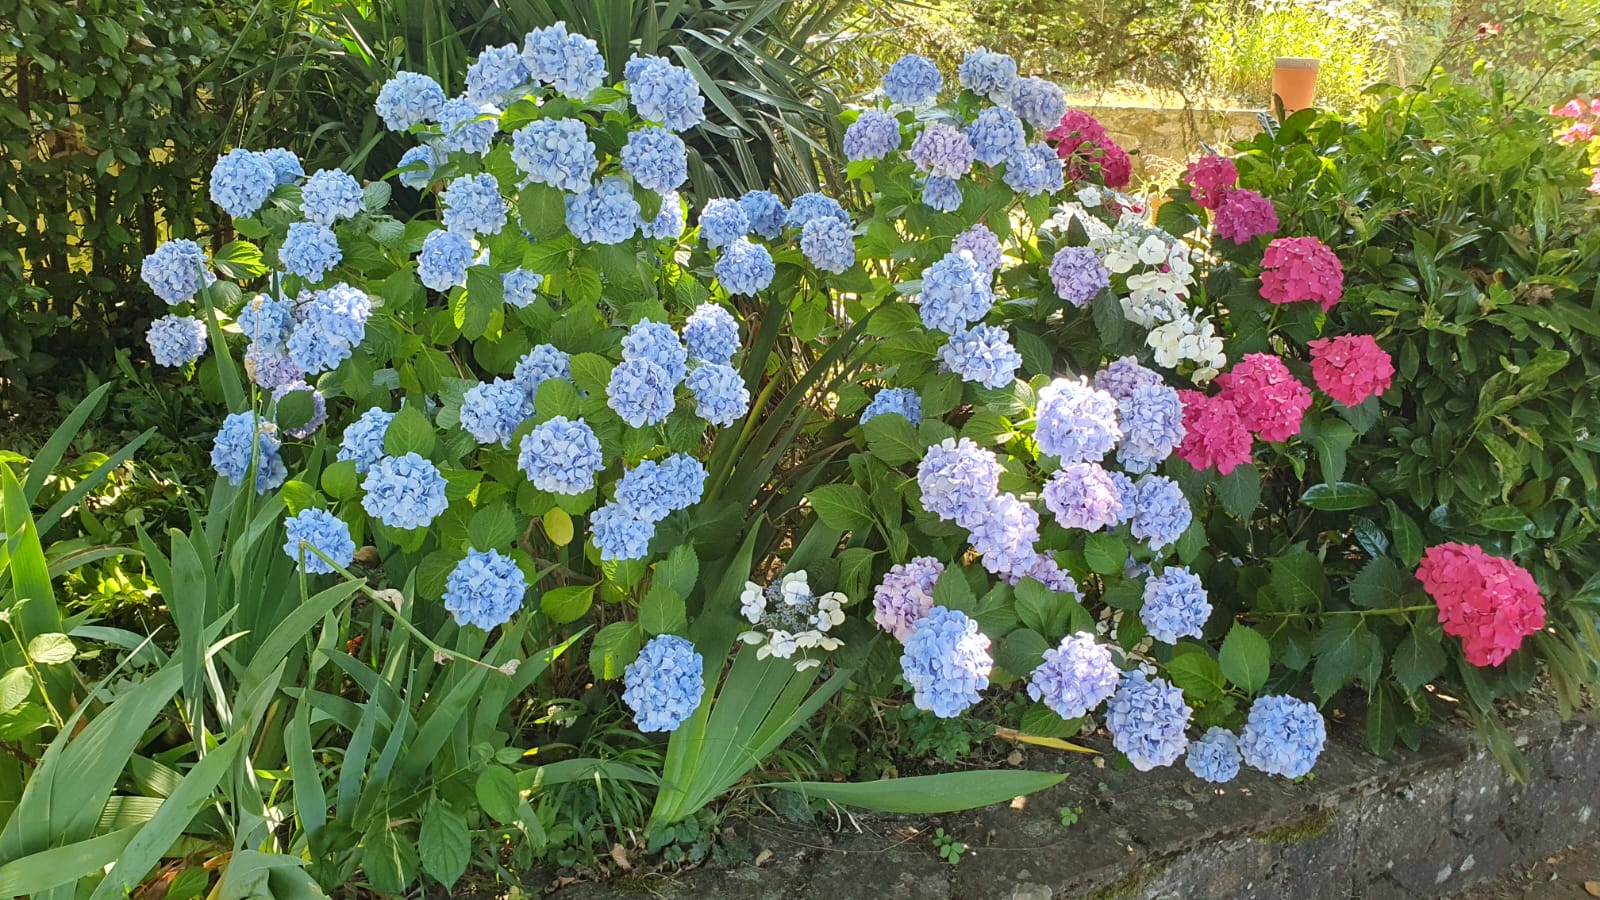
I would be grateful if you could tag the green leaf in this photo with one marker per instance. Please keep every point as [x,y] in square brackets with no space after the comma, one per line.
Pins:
[1377,585]
[486,295]
[1503,518]
[1418,660]
[388,858]
[614,647]
[680,570]
[591,373]
[663,611]
[1045,611]
[1340,496]
[1297,580]
[1106,553]
[556,397]
[927,794]
[952,591]
[1198,675]
[1246,658]
[1408,543]
[1382,719]
[841,506]
[1021,651]
[1343,648]
[544,211]
[51,649]
[295,410]
[492,527]
[409,432]
[340,481]
[497,793]
[444,844]
[567,604]
[15,687]
[1240,491]
[855,571]
[1331,438]
[892,439]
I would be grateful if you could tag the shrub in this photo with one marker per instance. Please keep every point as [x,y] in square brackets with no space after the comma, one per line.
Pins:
[1354,39]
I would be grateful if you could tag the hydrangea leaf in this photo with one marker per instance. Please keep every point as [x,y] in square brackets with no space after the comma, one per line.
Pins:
[1246,658]
[567,604]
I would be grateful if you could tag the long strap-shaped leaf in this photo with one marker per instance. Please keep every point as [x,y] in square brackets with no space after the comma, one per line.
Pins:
[927,794]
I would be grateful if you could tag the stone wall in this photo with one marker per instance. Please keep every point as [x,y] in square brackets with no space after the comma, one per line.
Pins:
[1168,137]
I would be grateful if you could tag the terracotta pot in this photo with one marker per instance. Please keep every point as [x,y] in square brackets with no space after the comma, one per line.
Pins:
[1294,82]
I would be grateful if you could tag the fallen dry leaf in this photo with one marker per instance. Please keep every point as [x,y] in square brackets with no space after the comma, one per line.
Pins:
[620,857]
[1592,888]
[763,857]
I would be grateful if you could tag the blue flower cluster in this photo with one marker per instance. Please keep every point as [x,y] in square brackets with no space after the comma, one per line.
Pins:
[176,271]
[1124,376]
[270,366]
[651,490]
[362,443]
[491,411]
[416,167]
[1075,422]
[665,93]
[1147,719]
[409,99]
[1151,419]
[1084,496]
[991,74]
[1078,274]
[266,320]
[806,207]
[176,340]
[556,152]
[657,343]
[905,595]
[958,479]
[538,365]
[310,250]
[996,135]
[896,401]
[521,287]
[912,81]
[720,395]
[941,194]
[874,135]
[332,323]
[669,219]
[323,530]
[955,293]
[444,259]
[498,76]
[286,168]
[946,662]
[1004,534]
[485,589]
[319,409]
[570,63]
[1034,171]
[828,244]
[1049,573]
[241,181]
[723,221]
[1075,677]
[329,196]
[473,205]
[404,491]
[641,392]
[561,456]
[942,150]
[237,443]
[1282,736]
[982,245]
[619,534]
[606,213]
[712,334]
[467,126]
[983,355]
[1175,605]
[1215,757]
[664,685]
[657,159]
[745,268]
[766,213]
[1039,102]
[1160,513]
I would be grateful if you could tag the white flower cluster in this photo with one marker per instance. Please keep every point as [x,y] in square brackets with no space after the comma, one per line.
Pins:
[787,618]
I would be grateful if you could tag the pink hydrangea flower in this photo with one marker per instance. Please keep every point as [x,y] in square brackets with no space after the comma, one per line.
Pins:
[1490,603]
[1244,215]
[1210,178]
[1579,131]
[1573,109]
[1351,367]
[1083,142]
[1301,268]
[1271,401]
[1213,435]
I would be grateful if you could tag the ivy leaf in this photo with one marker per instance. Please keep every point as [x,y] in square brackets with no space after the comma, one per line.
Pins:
[1246,658]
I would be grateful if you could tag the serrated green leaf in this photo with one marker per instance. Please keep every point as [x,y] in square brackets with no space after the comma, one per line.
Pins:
[1021,651]
[51,649]
[662,611]
[409,432]
[340,481]
[1198,675]
[1240,491]
[892,439]
[841,506]
[952,591]
[591,372]
[614,647]
[1418,660]
[680,570]
[568,603]
[1246,658]
[444,844]
[497,793]
[1377,585]
[1297,580]
[492,527]
[1106,553]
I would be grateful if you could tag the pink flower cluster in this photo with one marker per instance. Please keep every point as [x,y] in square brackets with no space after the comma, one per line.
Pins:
[1210,178]
[1213,434]
[1351,367]
[1576,109]
[1490,603]
[1083,142]
[1243,215]
[1270,400]
[1301,268]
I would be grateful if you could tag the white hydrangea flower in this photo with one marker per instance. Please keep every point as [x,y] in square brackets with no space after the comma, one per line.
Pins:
[788,618]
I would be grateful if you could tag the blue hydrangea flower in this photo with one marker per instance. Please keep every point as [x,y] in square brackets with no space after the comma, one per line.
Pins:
[991,74]
[1049,573]
[745,268]
[1147,719]
[955,293]
[942,150]
[270,366]
[570,63]
[905,595]
[1129,494]
[664,685]
[712,334]
[657,159]
[668,223]
[619,533]
[416,167]
[266,320]
[1040,102]
[996,135]
[1075,422]
[556,152]
[491,411]
[1124,376]
[766,213]
[958,479]
[1078,274]
[521,286]
[665,93]
[941,194]
[912,81]
[1175,605]
[241,181]
[237,442]
[1004,533]
[946,662]
[286,168]
[651,490]
[467,126]
[1151,419]
[541,363]
[657,343]
[829,244]
[720,395]
[1282,736]
[323,530]
[561,456]
[1034,171]
[331,324]
[806,207]
[176,340]
[1075,677]
[404,491]
[176,271]
[329,196]
[722,222]
[606,213]
[899,401]
[444,259]
[485,589]
[473,205]
[640,392]
[1083,495]
[319,409]
[409,99]
[982,245]
[498,76]
[362,443]
[1160,513]
[316,346]
[874,135]
[983,355]
[310,251]
[1215,757]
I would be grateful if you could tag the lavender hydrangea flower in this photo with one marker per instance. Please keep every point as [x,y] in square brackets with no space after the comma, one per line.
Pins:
[1083,495]
[720,395]
[467,126]
[1034,171]
[241,438]
[241,181]
[1282,736]
[991,74]
[651,490]
[561,456]
[712,334]
[941,194]
[657,343]
[668,223]
[270,366]
[409,99]
[898,401]
[1075,677]
[497,76]
[665,93]
[491,411]
[444,259]
[286,168]
[485,589]
[1075,422]
[619,533]
[416,167]
[176,271]
[1147,719]
[323,530]
[1049,573]
[556,152]
[905,595]
[1124,376]
[521,287]
[1151,419]
[946,662]
[958,479]
[404,491]
[766,213]
[806,207]
[955,293]
[942,150]
[329,196]
[912,81]
[1175,605]
[570,63]
[745,268]
[540,364]
[362,443]
[874,135]
[664,685]
[1215,757]
[722,222]
[996,135]
[983,355]
[176,340]
[319,409]
[1005,533]
[1078,275]
[310,251]
[1161,514]
[640,392]
[982,245]
[1040,103]
[606,213]
[828,244]
[473,205]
